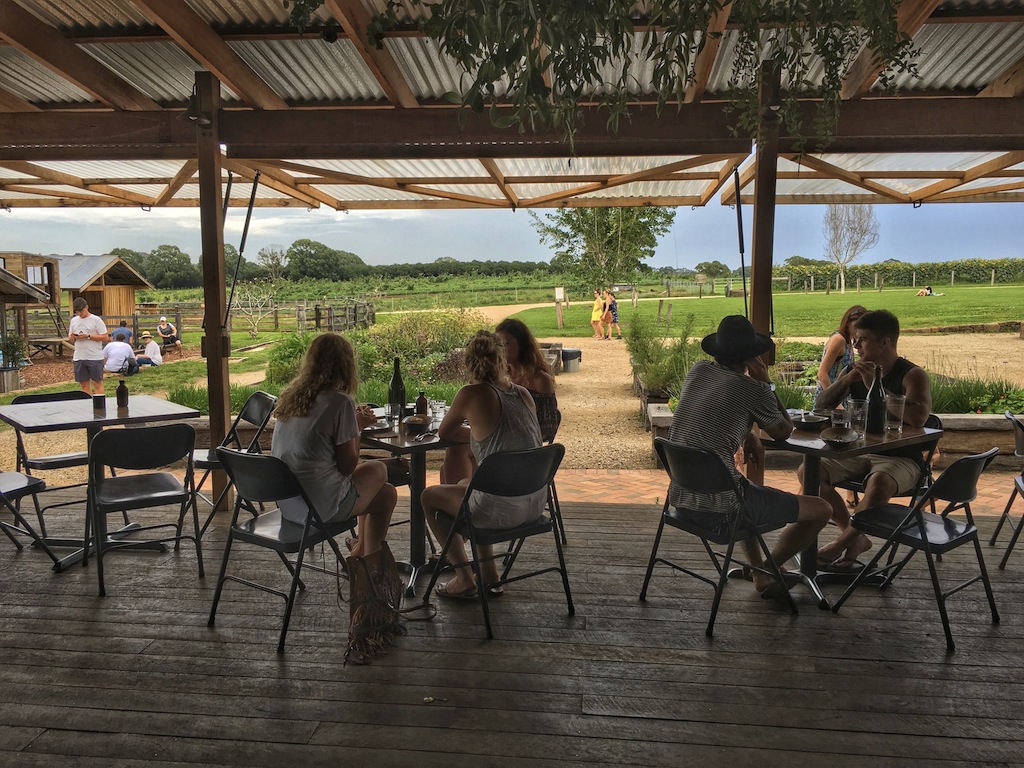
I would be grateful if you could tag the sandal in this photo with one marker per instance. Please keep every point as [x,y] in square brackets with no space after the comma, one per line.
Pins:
[468,594]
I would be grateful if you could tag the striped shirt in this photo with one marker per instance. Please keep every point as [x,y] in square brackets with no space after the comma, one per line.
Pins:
[717,408]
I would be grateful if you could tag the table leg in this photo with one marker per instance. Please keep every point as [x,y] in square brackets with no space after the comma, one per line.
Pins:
[809,557]
[417,563]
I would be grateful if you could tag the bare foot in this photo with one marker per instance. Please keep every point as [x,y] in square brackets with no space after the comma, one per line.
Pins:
[857,547]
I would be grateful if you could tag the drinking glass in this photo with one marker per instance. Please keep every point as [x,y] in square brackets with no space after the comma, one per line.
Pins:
[840,418]
[858,410]
[894,405]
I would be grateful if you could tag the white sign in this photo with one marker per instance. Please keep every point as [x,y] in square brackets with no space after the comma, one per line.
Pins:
[700,278]
[559,294]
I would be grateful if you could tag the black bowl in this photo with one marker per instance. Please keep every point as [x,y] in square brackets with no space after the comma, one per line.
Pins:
[811,422]
[839,437]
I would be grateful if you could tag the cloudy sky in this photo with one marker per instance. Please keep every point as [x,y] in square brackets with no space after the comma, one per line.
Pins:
[930,233]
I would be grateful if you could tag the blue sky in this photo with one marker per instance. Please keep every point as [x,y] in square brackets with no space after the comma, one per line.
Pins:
[929,233]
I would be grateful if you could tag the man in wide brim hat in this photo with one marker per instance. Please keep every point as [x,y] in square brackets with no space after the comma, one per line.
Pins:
[719,406]
[735,341]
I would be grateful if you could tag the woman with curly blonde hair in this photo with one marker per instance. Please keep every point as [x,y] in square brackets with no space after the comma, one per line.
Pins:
[317,436]
[491,414]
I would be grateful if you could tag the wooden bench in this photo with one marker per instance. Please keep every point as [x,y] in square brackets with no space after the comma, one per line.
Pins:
[658,419]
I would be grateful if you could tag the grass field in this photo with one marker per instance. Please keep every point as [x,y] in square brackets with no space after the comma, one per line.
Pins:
[800,314]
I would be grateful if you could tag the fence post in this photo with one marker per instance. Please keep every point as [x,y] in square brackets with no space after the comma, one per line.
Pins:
[876,279]
[789,283]
[660,303]
[913,279]
[316,316]
[858,285]
[812,283]
[952,277]
[993,277]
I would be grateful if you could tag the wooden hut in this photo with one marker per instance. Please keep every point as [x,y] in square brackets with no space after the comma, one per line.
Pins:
[108,283]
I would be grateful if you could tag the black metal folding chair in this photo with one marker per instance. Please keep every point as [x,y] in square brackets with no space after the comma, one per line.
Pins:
[701,471]
[933,534]
[509,474]
[259,479]
[142,448]
[14,486]
[255,414]
[1018,490]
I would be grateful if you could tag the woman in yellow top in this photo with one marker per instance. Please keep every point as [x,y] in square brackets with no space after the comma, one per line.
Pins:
[595,315]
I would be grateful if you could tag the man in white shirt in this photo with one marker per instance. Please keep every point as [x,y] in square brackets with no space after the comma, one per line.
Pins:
[152,354]
[119,357]
[87,332]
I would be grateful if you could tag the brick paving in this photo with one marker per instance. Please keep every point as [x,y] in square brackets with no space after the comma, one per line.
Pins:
[642,486]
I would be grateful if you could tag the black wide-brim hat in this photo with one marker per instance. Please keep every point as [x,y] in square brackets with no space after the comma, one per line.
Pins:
[735,340]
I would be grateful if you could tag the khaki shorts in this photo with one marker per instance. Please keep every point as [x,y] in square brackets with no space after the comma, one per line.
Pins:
[904,471]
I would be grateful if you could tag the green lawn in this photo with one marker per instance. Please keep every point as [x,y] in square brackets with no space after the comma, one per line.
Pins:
[799,314]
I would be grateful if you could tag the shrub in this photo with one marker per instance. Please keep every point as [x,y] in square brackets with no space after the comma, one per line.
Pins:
[661,366]
[286,356]
[199,397]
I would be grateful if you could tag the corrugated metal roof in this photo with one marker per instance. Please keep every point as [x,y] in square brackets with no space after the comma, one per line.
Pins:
[78,272]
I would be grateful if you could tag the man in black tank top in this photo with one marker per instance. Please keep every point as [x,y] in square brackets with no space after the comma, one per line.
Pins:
[875,336]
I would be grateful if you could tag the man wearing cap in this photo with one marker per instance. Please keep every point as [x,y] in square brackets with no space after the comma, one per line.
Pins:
[152,354]
[168,333]
[87,332]
[719,404]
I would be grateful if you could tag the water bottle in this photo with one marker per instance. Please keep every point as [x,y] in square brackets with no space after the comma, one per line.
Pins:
[875,422]
[122,395]
[396,395]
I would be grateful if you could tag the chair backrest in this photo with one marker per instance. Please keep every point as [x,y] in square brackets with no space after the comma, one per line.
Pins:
[256,412]
[148,447]
[52,397]
[959,483]
[696,469]
[260,477]
[1018,433]
[517,473]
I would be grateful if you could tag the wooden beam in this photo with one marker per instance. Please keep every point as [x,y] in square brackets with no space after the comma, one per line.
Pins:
[267,179]
[723,177]
[705,63]
[216,342]
[70,180]
[11,103]
[762,239]
[51,49]
[193,34]
[98,198]
[499,179]
[188,170]
[976,172]
[1008,83]
[747,175]
[965,195]
[354,19]
[910,17]
[850,177]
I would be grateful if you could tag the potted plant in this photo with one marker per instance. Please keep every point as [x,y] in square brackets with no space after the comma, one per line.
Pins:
[15,353]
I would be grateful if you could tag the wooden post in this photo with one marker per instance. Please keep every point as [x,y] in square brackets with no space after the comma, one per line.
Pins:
[858,285]
[558,315]
[952,276]
[216,345]
[913,279]
[993,277]
[660,303]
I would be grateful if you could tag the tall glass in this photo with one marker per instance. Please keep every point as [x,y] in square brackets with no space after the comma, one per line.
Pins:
[858,409]
[894,406]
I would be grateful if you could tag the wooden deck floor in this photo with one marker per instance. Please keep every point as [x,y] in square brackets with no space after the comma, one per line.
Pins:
[137,678]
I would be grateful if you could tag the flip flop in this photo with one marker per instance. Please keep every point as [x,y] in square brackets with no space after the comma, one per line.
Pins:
[497,591]
[843,565]
[468,594]
[776,592]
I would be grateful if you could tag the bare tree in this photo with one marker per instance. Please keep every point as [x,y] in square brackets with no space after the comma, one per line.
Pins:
[849,231]
[272,259]
[254,301]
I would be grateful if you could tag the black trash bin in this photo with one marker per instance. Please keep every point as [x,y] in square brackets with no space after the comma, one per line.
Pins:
[571,359]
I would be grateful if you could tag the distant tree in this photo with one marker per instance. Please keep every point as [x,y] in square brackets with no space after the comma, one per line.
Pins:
[713,269]
[801,261]
[254,301]
[849,231]
[167,266]
[316,261]
[136,260]
[603,246]
[273,260]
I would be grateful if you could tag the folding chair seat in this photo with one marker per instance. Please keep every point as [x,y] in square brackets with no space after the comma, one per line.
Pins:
[28,464]
[142,448]
[933,534]
[255,413]
[510,474]
[259,479]
[701,471]
[1018,490]
[925,478]
[14,486]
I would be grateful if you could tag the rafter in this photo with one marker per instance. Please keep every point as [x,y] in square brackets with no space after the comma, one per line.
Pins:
[197,37]
[499,179]
[276,178]
[910,17]
[971,174]
[99,198]
[1008,83]
[974,192]
[705,62]
[354,20]
[723,177]
[51,49]
[70,180]
[11,103]
[850,177]
[746,177]
[187,171]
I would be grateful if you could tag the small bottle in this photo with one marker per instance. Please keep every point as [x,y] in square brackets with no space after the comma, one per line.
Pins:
[122,395]
[421,403]
[396,394]
[875,421]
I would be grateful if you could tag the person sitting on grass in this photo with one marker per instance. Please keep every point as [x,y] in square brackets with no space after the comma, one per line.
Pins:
[152,354]
[122,333]
[168,333]
[119,357]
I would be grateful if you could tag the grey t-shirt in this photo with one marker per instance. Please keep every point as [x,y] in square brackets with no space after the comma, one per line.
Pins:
[306,444]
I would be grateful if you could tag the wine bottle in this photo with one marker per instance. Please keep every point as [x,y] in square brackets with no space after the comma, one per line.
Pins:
[875,422]
[396,393]
[122,395]
[421,403]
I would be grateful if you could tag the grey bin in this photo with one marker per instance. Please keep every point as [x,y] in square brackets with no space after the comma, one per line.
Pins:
[571,359]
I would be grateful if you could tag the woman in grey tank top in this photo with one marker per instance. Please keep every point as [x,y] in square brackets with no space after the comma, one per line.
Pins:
[491,414]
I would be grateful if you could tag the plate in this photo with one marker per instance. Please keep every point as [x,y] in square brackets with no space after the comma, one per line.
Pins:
[380,426]
[839,436]
[810,422]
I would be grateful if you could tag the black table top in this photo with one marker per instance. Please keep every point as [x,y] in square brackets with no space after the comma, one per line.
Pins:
[811,443]
[79,414]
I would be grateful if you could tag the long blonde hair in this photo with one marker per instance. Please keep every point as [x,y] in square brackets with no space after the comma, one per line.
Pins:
[485,358]
[329,364]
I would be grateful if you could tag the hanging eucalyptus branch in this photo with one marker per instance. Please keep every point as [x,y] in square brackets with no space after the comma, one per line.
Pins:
[548,59]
